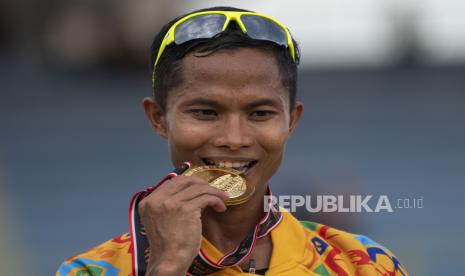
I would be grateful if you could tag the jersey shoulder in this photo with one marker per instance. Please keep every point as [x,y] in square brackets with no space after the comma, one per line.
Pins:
[110,258]
[363,253]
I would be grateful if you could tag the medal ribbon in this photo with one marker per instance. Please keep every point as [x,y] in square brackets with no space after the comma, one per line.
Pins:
[201,265]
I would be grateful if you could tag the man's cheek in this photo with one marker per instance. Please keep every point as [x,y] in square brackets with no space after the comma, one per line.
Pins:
[275,141]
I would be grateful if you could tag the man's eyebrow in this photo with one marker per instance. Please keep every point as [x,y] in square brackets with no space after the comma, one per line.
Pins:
[202,101]
[263,102]
[248,106]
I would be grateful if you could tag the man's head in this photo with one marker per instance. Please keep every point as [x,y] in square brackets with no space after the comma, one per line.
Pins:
[168,72]
[229,102]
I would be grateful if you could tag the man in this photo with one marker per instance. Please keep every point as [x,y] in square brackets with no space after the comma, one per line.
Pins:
[225,99]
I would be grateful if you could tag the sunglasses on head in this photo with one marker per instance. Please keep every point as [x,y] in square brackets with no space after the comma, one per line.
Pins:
[210,23]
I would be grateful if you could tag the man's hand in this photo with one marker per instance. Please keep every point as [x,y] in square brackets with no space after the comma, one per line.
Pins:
[171,217]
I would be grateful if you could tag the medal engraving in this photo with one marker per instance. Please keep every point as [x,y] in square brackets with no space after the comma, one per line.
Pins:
[225,179]
[233,185]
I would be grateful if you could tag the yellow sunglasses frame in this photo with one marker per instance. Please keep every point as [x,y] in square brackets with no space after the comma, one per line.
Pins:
[230,16]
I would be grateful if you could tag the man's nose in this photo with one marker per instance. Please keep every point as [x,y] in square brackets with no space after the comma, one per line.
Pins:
[233,134]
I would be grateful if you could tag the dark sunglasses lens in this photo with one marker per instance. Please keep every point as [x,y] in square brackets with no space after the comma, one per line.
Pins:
[264,29]
[201,26]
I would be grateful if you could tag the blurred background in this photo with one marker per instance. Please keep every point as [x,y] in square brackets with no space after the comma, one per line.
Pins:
[383,83]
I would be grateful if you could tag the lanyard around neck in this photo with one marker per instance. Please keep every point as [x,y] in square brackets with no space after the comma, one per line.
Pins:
[202,264]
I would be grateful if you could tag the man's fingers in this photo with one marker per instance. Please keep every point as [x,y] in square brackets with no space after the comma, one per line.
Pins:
[195,190]
[177,184]
[205,200]
[179,191]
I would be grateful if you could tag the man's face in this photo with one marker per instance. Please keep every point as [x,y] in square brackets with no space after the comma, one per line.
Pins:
[231,110]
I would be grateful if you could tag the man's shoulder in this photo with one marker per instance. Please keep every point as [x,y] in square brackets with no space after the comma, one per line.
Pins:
[112,257]
[362,251]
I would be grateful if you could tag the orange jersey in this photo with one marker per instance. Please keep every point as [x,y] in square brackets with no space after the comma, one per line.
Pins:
[299,248]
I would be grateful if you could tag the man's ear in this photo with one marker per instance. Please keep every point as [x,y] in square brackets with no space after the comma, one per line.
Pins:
[156,116]
[295,115]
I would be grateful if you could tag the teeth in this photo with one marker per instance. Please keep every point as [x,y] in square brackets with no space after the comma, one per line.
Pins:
[227,164]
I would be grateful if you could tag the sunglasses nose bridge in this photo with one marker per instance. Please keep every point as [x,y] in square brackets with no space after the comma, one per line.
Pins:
[236,18]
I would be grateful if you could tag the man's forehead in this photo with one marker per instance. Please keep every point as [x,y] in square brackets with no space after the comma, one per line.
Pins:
[240,75]
[252,61]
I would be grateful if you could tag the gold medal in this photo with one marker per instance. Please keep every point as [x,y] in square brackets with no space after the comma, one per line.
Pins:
[226,179]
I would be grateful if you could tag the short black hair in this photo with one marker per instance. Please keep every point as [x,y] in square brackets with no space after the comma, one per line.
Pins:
[168,72]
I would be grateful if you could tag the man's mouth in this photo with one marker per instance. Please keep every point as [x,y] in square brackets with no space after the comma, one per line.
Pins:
[243,166]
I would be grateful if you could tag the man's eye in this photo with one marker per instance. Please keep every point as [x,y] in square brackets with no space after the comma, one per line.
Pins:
[204,114]
[262,115]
